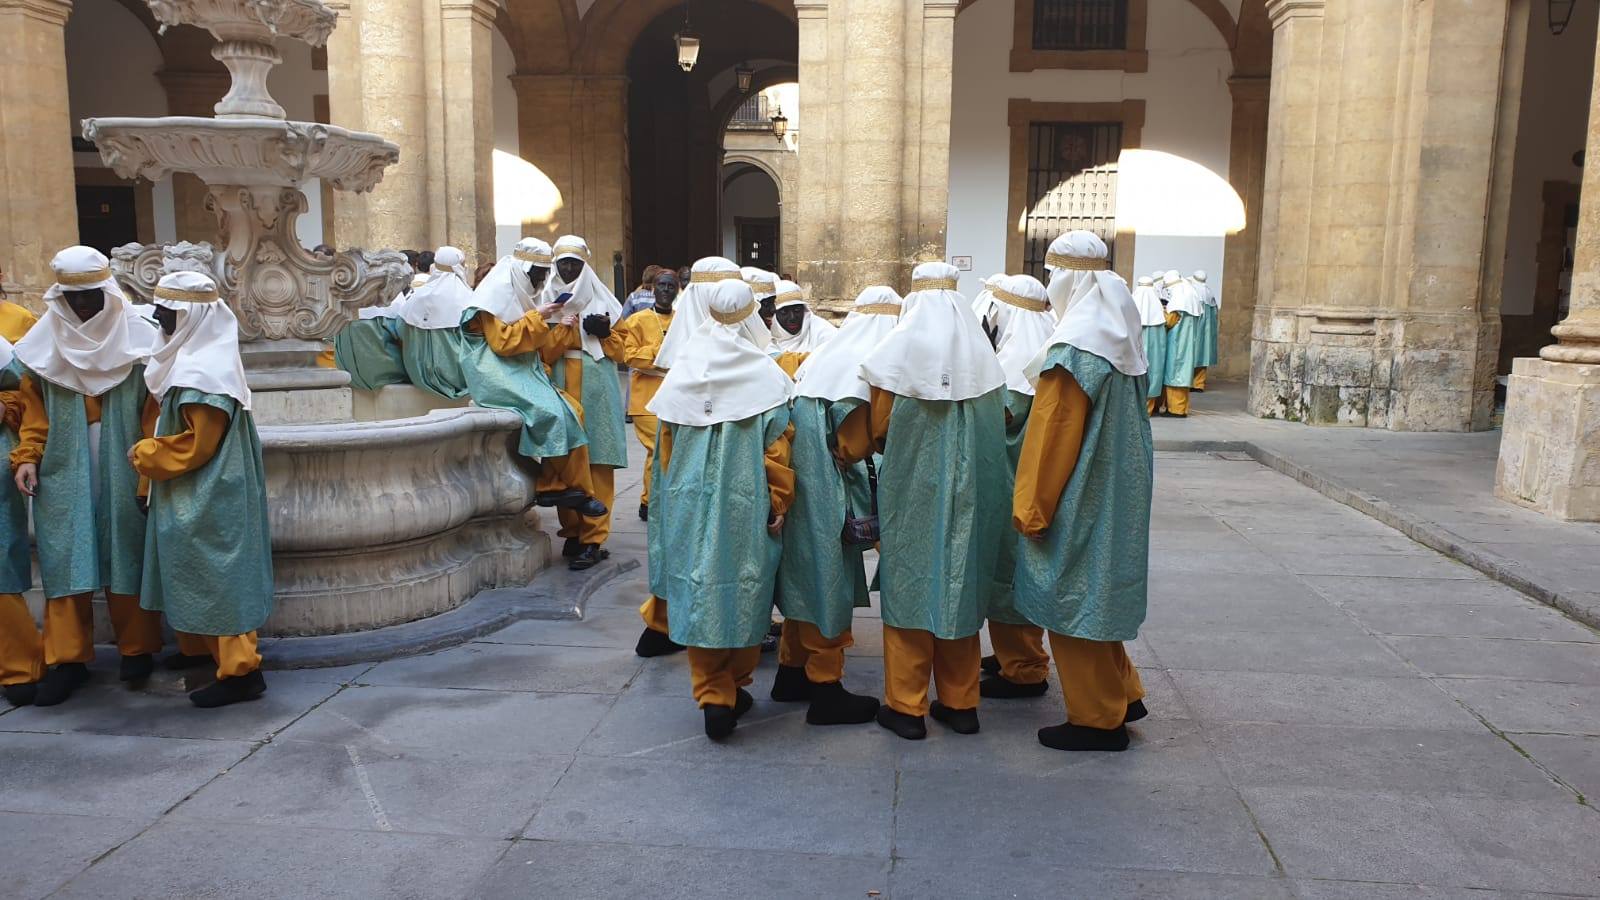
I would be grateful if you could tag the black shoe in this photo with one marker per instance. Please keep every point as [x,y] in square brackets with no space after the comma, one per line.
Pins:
[137,669]
[769,644]
[831,704]
[230,690]
[591,509]
[1136,711]
[912,728]
[591,555]
[720,721]
[562,499]
[1168,415]
[59,683]
[570,548]
[961,721]
[990,665]
[791,684]
[775,629]
[1079,737]
[742,703]
[21,694]
[999,687]
[177,662]
[654,643]
[644,512]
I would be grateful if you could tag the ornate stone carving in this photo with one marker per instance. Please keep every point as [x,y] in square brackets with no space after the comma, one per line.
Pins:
[245,30]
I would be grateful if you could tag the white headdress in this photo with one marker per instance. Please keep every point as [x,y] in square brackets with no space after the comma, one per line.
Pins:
[762,283]
[590,296]
[445,299]
[1148,300]
[719,374]
[1099,317]
[1207,295]
[833,372]
[938,351]
[1024,320]
[203,350]
[7,353]
[814,330]
[1184,296]
[506,291]
[691,307]
[983,305]
[1072,259]
[87,357]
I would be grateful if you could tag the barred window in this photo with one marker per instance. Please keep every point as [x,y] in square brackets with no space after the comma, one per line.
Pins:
[1072,185]
[1080,24]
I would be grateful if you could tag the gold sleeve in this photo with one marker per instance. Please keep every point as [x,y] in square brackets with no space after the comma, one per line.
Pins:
[1049,450]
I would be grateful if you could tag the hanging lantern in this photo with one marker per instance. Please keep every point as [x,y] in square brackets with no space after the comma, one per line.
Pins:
[780,125]
[744,74]
[688,49]
[1560,12]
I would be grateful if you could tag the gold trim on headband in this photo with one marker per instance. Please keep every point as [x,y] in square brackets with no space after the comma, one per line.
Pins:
[79,278]
[164,293]
[577,250]
[735,317]
[1076,263]
[1005,296]
[444,267]
[787,296]
[878,309]
[713,277]
[933,284]
[529,256]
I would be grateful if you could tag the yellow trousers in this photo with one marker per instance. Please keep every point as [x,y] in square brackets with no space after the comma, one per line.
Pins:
[1020,650]
[644,426]
[21,648]
[1177,400]
[654,613]
[911,656]
[603,487]
[803,645]
[69,628]
[1098,681]
[562,473]
[1200,378]
[236,654]
[716,675]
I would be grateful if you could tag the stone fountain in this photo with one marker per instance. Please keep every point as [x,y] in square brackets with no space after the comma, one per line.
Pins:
[374,521]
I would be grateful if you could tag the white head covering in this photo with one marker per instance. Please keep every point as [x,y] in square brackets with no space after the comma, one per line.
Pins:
[7,353]
[1025,321]
[1171,277]
[203,350]
[1148,300]
[1184,296]
[1207,295]
[87,357]
[984,303]
[590,296]
[445,299]
[720,375]
[1100,316]
[506,291]
[938,351]
[691,307]
[814,330]
[833,372]
[762,283]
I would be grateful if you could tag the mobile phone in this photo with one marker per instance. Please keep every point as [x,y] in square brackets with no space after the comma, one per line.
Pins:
[564,298]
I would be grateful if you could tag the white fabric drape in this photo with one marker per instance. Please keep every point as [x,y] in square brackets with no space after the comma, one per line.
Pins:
[445,298]
[203,350]
[720,374]
[834,371]
[1099,317]
[1148,300]
[87,357]
[590,296]
[690,309]
[1021,331]
[814,330]
[938,351]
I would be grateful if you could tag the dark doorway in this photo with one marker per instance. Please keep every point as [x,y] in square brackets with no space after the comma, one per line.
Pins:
[106,217]
[757,240]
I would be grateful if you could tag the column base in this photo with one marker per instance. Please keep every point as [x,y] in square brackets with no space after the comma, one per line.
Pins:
[1550,443]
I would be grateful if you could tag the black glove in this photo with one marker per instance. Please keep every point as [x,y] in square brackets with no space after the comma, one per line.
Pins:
[598,325]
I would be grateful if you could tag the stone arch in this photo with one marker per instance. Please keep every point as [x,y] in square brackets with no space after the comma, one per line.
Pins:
[768,77]
[755,162]
[543,34]
[611,26]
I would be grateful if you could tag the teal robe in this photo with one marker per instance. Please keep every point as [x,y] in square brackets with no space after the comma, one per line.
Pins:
[1155,348]
[86,518]
[941,501]
[1001,606]
[820,580]
[16,564]
[550,427]
[719,561]
[369,349]
[655,528]
[1208,351]
[208,552]
[603,418]
[432,358]
[1186,343]
[1088,576]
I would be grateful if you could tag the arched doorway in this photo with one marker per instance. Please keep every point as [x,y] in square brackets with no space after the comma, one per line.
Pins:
[751,216]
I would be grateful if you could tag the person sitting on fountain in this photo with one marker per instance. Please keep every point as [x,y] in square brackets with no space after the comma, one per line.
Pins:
[505,329]
[578,352]
[82,393]
[431,344]
[207,488]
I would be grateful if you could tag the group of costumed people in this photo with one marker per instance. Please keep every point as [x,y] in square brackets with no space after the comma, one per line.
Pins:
[919,426]
[128,430]
[1181,326]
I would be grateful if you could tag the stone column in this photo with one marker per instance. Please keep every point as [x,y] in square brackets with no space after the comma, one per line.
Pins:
[926,207]
[813,222]
[1246,173]
[38,205]
[192,94]
[872,144]
[467,27]
[1550,448]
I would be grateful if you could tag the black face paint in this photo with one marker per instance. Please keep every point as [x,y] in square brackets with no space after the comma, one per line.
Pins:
[666,291]
[569,268]
[86,304]
[768,310]
[537,276]
[167,318]
[792,317]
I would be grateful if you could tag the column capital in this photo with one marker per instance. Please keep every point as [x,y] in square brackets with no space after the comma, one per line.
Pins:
[811,9]
[482,11]
[940,9]
[55,12]
[1249,87]
[1281,11]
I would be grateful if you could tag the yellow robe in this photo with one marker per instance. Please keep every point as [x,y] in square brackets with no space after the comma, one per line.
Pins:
[564,339]
[642,334]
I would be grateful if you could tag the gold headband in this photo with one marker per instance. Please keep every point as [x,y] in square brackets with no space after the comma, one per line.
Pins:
[80,278]
[735,317]
[166,293]
[444,267]
[529,256]
[933,284]
[787,296]
[572,249]
[712,277]
[1005,296]
[1077,263]
[878,309]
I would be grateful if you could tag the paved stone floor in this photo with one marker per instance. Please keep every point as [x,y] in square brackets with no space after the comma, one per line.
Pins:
[1336,712]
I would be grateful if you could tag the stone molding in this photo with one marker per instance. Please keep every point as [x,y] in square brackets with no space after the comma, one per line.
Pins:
[1281,11]
[53,12]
